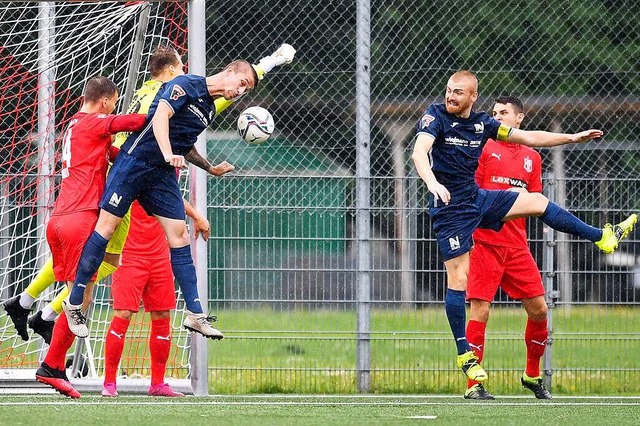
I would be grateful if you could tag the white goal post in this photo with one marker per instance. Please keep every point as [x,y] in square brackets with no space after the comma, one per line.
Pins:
[47,52]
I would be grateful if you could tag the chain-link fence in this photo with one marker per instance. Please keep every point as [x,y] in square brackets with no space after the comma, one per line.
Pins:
[323,273]
[284,262]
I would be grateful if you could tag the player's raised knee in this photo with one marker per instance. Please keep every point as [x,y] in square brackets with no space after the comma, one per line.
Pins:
[535,203]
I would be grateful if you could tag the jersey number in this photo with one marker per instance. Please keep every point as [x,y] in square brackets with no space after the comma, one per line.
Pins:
[66,150]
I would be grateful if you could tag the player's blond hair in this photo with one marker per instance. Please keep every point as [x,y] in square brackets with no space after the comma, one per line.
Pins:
[240,65]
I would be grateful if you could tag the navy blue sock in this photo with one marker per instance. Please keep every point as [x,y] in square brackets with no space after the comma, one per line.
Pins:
[185,273]
[563,221]
[456,314]
[90,260]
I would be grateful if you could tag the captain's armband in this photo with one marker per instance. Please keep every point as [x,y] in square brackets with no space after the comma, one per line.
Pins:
[504,132]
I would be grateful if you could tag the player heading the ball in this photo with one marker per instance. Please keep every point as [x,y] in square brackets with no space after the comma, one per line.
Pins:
[145,171]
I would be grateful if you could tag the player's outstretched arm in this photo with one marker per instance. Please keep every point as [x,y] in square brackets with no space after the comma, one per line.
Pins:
[420,157]
[198,160]
[283,55]
[541,138]
[222,169]
[127,123]
[200,223]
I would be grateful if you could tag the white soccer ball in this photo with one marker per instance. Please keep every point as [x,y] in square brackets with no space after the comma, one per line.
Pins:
[255,125]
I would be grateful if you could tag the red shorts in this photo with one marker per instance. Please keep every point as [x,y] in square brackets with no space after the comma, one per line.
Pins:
[67,235]
[512,269]
[149,280]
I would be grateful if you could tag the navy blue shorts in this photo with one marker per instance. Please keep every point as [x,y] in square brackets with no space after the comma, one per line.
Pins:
[155,187]
[454,224]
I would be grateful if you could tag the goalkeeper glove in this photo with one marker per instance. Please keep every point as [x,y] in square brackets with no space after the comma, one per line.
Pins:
[284,55]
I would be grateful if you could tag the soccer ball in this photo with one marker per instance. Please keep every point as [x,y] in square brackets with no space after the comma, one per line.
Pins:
[255,125]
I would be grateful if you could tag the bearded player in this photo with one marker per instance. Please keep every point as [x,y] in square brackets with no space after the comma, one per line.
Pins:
[449,142]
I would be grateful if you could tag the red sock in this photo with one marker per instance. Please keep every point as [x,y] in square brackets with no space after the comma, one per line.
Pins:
[535,337]
[61,340]
[475,337]
[114,342]
[159,346]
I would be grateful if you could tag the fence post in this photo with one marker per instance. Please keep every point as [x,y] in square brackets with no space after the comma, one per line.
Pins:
[198,356]
[46,123]
[363,189]
[563,253]
[551,295]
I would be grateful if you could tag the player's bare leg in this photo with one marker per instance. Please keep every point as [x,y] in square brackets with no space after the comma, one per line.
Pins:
[185,273]
[92,256]
[535,337]
[457,273]
[536,204]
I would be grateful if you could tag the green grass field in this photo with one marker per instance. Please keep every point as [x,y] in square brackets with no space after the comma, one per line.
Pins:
[269,351]
[315,410]
[300,351]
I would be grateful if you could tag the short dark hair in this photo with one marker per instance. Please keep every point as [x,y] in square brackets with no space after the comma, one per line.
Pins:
[98,87]
[161,58]
[240,65]
[510,99]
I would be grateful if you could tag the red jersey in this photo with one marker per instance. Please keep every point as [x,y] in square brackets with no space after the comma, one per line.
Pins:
[146,237]
[85,151]
[504,165]
[84,162]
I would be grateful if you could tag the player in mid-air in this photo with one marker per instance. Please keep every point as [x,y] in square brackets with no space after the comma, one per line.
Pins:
[144,171]
[145,268]
[503,258]
[86,147]
[450,139]
[164,64]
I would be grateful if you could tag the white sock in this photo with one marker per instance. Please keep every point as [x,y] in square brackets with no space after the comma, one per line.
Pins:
[25,300]
[49,314]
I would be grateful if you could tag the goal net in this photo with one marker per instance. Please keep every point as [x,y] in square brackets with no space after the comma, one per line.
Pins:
[47,52]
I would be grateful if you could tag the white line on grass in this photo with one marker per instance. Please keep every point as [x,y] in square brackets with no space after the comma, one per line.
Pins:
[402,396]
[310,403]
[48,391]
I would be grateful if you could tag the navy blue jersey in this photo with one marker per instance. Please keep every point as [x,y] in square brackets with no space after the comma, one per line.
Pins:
[457,147]
[193,111]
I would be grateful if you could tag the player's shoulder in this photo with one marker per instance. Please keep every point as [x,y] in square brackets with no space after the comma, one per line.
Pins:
[480,116]
[189,84]
[189,79]
[532,152]
[92,117]
[437,109]
[434,112]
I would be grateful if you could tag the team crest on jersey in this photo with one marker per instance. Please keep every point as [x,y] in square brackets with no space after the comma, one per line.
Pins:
[479,127]
[528,164]
[427,119]
[177,92]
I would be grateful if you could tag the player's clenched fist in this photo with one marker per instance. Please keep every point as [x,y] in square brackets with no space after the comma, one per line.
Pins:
[175,160]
